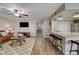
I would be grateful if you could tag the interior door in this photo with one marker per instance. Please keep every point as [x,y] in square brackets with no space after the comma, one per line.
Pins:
[39,28]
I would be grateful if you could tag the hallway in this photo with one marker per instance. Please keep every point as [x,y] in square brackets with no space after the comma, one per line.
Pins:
[44,47]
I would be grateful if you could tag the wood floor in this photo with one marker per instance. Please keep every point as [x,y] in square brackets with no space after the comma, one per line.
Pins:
[44,47]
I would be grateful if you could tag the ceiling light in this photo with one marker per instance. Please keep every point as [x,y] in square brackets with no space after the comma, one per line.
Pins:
[60,18]
[22,12]
[16,14]
[76,14]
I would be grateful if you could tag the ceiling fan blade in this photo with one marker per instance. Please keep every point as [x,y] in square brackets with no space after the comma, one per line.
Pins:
[25,14]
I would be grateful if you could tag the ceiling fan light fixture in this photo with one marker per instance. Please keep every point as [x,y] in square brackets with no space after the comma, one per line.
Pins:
[22,12]
[60,18]
[19,12]
[76,14]
[16,14]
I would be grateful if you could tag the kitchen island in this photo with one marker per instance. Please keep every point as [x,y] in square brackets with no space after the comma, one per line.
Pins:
[66,44]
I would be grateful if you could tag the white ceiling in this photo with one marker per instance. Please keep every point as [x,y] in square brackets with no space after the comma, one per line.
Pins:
[35,10]
[68,12]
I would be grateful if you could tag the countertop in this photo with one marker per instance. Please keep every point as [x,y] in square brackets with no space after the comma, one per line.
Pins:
[66,42]
[72,35]
[67,33]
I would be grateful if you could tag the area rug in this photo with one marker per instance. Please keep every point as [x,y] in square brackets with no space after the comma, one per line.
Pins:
[25,49]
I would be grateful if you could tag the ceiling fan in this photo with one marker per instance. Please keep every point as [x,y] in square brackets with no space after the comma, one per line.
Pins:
[18,13]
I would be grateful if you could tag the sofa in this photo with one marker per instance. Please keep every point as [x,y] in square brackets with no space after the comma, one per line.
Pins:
[6,38]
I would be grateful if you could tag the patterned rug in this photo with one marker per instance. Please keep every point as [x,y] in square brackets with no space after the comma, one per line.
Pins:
[25,49]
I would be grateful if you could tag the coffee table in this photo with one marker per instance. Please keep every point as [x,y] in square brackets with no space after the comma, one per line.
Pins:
[17,40]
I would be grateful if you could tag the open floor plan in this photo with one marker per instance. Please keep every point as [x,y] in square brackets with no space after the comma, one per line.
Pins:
[39,28]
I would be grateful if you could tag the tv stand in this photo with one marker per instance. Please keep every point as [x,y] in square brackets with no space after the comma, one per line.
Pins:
[27,34]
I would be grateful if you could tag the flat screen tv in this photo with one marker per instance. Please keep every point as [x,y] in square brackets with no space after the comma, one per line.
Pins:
[24,24]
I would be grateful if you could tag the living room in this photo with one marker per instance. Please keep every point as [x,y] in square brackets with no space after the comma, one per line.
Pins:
[29,24]
[39,29]
[13,22]
[26,31]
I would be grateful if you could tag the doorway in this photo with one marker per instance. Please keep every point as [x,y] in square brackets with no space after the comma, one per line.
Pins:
[39,29]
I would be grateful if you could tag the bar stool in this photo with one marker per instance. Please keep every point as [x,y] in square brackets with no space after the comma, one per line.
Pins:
[51,37]
[56,42]
[77,43]
[52,40]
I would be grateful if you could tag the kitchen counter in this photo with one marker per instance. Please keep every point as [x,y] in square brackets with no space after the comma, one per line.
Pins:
[67,34]
[66,42]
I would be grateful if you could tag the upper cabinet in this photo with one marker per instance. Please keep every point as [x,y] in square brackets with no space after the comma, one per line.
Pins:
[75,26]
[64,19]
